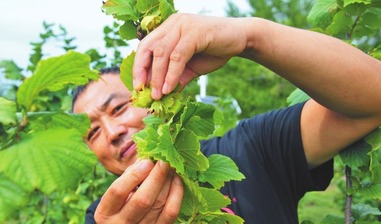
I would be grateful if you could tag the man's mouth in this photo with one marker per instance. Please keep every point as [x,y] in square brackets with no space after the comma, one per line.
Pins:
[127,149]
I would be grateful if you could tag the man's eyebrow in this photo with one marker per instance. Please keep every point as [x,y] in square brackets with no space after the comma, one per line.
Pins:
[107,102]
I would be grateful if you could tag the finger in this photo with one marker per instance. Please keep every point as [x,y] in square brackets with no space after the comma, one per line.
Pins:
[173,204]
[143,199]
[144,54]
[159,204]
[116,195]
[178,59]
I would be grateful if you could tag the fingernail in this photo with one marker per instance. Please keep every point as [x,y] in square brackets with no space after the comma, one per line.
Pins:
[145,165]
[155,93]
[166,88]
[163,164]
[137,84]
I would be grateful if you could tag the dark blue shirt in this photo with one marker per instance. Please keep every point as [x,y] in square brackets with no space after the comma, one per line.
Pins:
[268,151]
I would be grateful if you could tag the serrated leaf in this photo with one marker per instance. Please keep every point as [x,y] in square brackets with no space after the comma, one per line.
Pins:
[49,160]
[199,118]
[146,142]
[356,155]
[221,169]
[53,74]
[349,2]
[222,218]
[126,70]
[12,197]
[118,8]
[189,148]
[128,31]
[322,13]
[214,198]
[166,147]
[193,202]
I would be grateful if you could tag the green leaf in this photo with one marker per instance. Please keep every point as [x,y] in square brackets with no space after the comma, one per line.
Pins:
[322,13]
[189,148]
[371,18]
[45,120]
[121,8]
[349,2]
[214,198]
[11,70]
[199,118]
[361,210]
[342,24]
[167,8]
[167,148]
[12,197]
[370,191]
[356,155]
[49,160]
[126,71]
[332,219]
[297,96]
[7,112]
[53,74]
[374,138]
[193,202]
[128,31]
[221,169]
[144,6]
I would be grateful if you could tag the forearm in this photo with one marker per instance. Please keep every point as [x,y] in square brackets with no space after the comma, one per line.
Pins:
[334,73]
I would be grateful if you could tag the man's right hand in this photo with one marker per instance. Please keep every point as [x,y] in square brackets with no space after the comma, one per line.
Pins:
[144,193]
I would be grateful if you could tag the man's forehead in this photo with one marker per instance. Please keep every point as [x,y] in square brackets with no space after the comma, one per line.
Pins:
[101,92]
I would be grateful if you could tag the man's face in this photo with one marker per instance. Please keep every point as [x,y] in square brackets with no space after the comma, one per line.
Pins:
[113,122]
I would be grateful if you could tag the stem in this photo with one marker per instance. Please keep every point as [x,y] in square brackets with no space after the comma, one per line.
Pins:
[348,202]
[46,202]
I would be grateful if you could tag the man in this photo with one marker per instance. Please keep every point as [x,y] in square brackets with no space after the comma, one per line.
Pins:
[283,153]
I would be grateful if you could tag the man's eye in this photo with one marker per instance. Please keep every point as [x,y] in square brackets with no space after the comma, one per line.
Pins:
[118,108]
[92,132]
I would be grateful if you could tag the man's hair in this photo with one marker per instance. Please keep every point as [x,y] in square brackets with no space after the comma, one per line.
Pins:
[80,89]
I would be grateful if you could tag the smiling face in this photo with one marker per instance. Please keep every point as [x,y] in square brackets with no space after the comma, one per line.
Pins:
[113,122]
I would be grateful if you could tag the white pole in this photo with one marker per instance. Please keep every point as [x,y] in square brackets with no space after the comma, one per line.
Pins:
[203,82]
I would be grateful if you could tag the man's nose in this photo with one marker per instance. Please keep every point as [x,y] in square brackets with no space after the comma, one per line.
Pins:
[114,130]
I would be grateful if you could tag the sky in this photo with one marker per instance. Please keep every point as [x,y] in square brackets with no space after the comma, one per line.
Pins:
[21,22]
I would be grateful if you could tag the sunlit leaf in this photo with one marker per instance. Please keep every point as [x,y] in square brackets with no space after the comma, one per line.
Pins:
[53,74]
[297,96]
[53,159]
[121,8]
[221,169]
[128,31]
[126,70]
[13,197]
[7,112]
[322,13]
[356,155]
[189,149]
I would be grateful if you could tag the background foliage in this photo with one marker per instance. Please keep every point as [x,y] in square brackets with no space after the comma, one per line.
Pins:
[254,87]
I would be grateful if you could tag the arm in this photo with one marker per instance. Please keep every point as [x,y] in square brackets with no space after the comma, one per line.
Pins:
[341,79]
